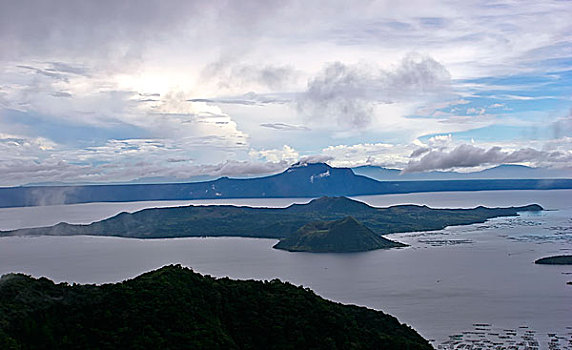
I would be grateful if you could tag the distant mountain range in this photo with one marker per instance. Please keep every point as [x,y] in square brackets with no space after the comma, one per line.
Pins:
[300,180]
[505,171]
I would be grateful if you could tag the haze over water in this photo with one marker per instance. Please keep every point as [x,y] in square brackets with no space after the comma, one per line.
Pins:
[442,284]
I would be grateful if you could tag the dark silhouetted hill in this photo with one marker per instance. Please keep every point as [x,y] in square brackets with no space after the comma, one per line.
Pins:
[175,308]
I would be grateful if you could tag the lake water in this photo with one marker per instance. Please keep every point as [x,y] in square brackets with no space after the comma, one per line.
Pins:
[442,284]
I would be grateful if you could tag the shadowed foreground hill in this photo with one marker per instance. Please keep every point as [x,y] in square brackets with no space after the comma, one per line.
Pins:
[175,308]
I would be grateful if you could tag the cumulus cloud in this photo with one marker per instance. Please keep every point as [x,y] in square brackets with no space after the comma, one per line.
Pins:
[440,140]
[347,94]
[316,158]
[18,147]
[468,156]
[285,154]
[383,154]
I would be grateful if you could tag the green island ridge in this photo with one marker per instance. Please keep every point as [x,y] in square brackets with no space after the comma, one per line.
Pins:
[176,308]
[277,223]
[338,236]
[555,260]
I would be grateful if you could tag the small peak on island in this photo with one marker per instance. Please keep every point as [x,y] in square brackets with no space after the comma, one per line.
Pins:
[332,205]
[345,235]
[531,207]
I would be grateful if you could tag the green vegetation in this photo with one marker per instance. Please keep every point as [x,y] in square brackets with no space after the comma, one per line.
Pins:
[175,308]
[555,260]
[339,236]
[228,220]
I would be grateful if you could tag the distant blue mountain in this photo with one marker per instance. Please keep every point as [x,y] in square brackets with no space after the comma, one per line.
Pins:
[300,180]
[505,171]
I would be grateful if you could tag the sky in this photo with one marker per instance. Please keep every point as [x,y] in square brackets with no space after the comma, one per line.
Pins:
[167,90]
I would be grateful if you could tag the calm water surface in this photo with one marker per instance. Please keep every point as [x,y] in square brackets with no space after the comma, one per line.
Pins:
[442,284]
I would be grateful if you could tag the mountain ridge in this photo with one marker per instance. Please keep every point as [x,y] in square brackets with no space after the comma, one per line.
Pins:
[309,180]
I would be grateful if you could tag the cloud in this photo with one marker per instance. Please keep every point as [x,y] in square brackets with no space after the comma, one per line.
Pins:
[316,158]
[45,72]
[242,168]
[19,172]
[284,126]
[440,140]
[473,110]
[61,94]
[109,112]
[417,74]
[562,127]
[468,156]
[231,75]
[192,123]
[384,154]
[248,99]
[347,94]
[419,151]
[104,28]
[109,88]
[286,154]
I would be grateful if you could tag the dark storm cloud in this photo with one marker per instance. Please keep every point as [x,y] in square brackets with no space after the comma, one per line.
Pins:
[347,94]
[31,27]
[111,29]
[419,152]
[228,72]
